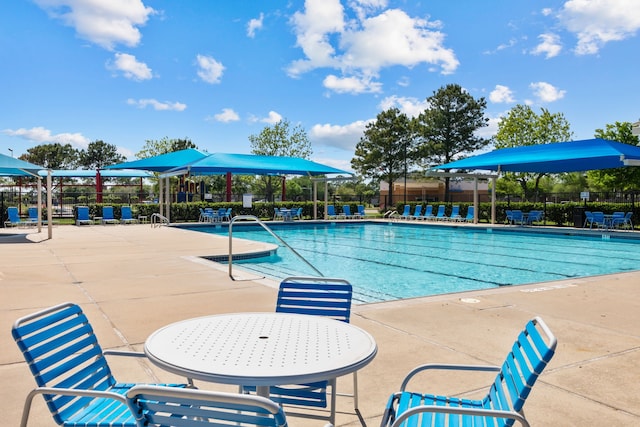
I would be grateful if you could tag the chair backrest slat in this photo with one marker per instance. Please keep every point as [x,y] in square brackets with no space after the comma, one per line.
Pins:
[324,297]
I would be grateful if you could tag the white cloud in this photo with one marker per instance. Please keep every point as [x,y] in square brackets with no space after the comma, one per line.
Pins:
[501,94]
[549,46]
[41,135]
[271,119]
[253,25]
[546,92]
[227,115]
[597,22]
[364,45]
[344,137]
[351,84]
[130,67]
[105,23]
[547,11]
[412,107]
[157,105]
[209,70]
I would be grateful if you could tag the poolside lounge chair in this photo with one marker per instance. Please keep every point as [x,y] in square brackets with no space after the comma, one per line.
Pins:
[428,213]
[417,213]
[33,216]
[166,406]
[82,215]
[331,212]
[318,296]
[346,212]
[71,370]
[504,400]
[440,214]
[455,214]
[126,217]
[406,212]
[107,215]
[361,212]
[470,214]
[13,219]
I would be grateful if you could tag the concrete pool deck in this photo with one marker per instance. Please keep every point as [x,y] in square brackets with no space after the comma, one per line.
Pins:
[132,279]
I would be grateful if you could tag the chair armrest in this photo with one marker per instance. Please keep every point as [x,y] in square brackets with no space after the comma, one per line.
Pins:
[124,353]
[448,367]
[65,392]
[461,411]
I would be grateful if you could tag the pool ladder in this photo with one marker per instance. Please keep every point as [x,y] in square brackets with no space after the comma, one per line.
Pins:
[270,231]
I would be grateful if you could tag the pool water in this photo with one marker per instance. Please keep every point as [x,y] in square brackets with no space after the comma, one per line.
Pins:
[389,261]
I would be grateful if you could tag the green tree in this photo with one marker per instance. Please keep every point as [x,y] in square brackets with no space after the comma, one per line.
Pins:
[386,150]
[522,127]
[447,129]
[52,156]
[620,179]
[99,154]
[280,140]
[165,145]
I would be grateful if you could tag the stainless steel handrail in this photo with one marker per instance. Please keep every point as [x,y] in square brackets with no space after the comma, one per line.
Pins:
[157,220]
[263,225]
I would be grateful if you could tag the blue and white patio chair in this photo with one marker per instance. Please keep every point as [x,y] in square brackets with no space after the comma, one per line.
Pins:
[428,213]
[317,296]
[126,216]
[166,406]
[107,215]
[470,214]
[82,215]
[440,215]
[331,212]
[622,221]
[406,212]
[455,214]
[361,211]
[13,218]
[346,212]
[71,370]
[417,213]
[502,405]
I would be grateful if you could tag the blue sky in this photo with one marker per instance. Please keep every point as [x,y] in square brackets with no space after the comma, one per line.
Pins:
[126,71]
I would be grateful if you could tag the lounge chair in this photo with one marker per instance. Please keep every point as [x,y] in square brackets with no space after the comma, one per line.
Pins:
[428,213]
[331,212]
[71,370]
[82,215]
[361,212]
[470,214]
[317,296]
[440,214]
[126,217]
[455,214]
[13,219]
[417,213]
[166,406]
[346,212]
[107,215]
[33,216]
[504,400]
[406,212]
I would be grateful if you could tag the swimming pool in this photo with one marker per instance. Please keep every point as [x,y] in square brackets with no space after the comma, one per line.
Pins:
[389,261]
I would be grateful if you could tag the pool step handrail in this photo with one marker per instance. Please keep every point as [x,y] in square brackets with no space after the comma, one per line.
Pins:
[270,231]
[157,220]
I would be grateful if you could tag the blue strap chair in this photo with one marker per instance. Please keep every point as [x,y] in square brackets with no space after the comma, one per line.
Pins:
[470,214]
[361,211]
[502,405]
[455,214]
[126,216]
[13,219]
[346,212]
[417,213]
[107,215]
[71,370]
[83,215]
[317,296]
[331,212]
[406,212]
[440,215]
[164,406]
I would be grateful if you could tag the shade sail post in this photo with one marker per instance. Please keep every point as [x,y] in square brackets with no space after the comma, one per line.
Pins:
[229,186]
[49,206]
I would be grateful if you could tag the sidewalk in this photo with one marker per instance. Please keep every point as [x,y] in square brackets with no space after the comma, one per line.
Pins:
[133,279]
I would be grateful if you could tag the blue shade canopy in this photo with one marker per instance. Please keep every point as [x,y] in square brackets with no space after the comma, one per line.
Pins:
[248,164]
[574,156]
[86,173]
[162,162]
[10,166]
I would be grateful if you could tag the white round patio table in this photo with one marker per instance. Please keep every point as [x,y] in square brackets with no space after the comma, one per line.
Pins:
[261,349]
